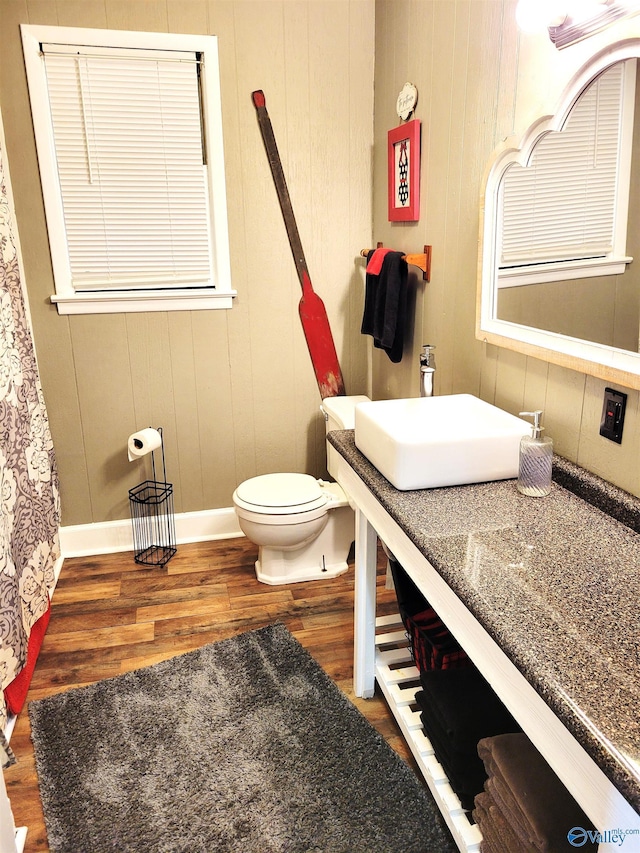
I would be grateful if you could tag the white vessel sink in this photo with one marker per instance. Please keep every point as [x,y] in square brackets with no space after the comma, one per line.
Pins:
[428,442]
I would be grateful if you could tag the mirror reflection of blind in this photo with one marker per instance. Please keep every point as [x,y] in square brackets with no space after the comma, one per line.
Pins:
[563,205]
[128,142]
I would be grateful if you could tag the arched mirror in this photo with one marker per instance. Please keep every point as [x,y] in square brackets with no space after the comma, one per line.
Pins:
[561,228]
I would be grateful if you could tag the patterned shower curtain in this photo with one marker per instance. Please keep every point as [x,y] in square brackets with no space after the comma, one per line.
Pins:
[29,496]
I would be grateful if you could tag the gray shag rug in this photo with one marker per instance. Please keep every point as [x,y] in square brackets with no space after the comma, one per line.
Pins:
[243,746]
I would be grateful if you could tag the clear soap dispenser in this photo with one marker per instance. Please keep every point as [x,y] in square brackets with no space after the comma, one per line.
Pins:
[536,457]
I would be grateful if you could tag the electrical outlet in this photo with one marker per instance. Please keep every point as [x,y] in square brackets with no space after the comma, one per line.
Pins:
[612,420]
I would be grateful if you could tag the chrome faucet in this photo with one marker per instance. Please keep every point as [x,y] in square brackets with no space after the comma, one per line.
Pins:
[427,370]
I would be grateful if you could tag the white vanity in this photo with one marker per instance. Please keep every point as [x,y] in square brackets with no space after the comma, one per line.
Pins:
[542,594]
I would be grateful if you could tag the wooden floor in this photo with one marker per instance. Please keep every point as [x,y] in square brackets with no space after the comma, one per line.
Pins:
[110,615]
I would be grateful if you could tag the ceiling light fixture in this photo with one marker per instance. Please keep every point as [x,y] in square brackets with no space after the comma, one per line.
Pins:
[568,21]
[535,16]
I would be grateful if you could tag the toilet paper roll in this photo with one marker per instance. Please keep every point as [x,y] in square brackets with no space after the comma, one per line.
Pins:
[143,442]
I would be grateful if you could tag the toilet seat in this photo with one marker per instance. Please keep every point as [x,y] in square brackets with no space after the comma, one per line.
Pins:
[303,527]
[280,494]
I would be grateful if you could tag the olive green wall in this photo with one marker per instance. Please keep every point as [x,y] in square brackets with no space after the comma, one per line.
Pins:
[479,81]
[233,390]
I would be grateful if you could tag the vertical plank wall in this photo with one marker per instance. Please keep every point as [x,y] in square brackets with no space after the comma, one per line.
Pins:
[479,82]
[234,390]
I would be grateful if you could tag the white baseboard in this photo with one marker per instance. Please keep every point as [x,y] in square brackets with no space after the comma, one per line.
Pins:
[21,837]
[108,537]
[57,568]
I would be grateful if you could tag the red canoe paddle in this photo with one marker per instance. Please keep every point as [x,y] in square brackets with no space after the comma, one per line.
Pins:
[313,315]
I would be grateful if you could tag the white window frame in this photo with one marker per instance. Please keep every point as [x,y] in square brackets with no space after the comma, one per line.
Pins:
[614,261]
[69,301]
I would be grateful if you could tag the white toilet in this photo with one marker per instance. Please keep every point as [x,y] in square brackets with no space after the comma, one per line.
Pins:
[303,527]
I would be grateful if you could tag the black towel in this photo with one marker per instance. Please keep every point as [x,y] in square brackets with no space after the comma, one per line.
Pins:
[465,772]
[385,305]
[458,709]
[463,768]
[466,706]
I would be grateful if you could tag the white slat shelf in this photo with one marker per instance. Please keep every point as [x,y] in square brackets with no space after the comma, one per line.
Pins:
[399,681]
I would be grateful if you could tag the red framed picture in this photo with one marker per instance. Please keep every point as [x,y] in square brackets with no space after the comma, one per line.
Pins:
[403,153]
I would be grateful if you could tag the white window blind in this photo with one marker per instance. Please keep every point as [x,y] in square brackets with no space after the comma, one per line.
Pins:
[565,205]
[128,136]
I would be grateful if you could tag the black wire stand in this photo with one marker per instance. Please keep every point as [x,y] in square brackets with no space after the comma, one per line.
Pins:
[152,515]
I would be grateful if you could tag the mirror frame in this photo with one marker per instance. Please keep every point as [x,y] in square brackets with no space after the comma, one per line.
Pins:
[608,363]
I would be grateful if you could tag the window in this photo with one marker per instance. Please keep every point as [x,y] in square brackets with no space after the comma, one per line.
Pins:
[565,214]
[128,131]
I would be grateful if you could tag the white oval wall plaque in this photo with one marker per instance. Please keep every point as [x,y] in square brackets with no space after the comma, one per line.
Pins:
[407,100]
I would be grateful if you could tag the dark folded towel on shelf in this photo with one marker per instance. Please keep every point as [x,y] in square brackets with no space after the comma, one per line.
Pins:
[466,706]
[458,709]
[529,795]
[465,771]
[497,835]
[385,303]
[504,800]
[410,599]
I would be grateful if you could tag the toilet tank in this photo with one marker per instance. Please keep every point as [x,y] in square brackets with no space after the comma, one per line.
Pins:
[340,412]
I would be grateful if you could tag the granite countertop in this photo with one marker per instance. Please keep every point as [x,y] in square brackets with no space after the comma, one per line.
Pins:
[555,581]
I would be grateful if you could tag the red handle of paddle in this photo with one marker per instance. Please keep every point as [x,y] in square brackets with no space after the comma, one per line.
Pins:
[259,99]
